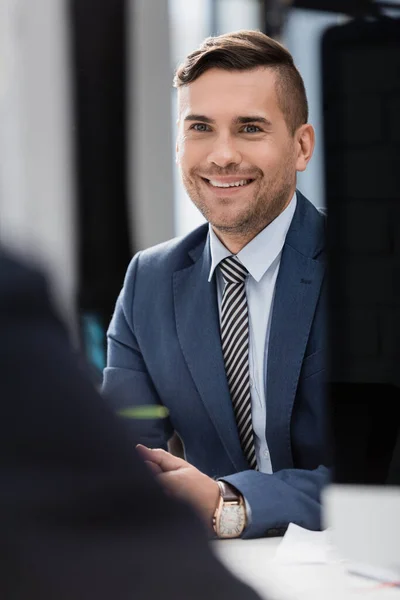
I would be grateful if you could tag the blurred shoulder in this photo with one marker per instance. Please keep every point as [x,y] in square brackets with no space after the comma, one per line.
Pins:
[20,282]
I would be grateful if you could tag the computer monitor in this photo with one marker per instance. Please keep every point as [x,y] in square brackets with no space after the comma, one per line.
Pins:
[361,96]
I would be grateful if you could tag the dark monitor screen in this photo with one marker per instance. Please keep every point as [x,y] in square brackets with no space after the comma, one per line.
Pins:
[361,99]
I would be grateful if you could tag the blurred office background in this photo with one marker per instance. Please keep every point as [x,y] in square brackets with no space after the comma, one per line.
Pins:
[87,121]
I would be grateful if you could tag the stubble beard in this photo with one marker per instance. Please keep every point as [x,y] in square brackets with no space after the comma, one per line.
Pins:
[269,202]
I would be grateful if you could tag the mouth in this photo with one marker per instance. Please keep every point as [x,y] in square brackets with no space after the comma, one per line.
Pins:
[230,185]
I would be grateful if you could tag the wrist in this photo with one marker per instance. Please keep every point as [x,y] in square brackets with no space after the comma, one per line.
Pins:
[230,516]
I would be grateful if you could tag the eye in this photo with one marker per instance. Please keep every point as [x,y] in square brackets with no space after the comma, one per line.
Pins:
[200,127]
[251,129]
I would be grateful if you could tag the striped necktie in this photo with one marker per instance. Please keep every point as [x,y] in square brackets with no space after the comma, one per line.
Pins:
[235,349]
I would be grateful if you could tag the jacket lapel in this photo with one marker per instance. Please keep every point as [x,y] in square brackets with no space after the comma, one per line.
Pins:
[197,321]
[297,291]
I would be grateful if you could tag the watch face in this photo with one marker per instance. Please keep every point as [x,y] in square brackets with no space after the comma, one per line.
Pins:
[231,521]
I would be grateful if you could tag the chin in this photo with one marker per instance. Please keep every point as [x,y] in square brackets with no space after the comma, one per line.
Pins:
[226,216]
[229,225]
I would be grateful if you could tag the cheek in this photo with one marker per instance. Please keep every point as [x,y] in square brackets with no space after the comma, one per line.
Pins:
[272,160]
[189,155]
[264,154]
[267,162]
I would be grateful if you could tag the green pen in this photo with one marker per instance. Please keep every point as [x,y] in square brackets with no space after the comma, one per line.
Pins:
[143,412]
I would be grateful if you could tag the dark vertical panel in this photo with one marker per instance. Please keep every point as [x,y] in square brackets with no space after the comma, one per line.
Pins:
[99,78]
[361,82]
[273,15]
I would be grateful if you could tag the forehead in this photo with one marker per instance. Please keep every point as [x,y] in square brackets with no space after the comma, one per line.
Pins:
[218,94]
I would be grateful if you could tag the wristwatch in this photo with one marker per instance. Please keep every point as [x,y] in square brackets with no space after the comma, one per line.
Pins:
[230,516]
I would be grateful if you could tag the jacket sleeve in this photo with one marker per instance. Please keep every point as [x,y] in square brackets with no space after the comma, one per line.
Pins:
[287,496]
[127,382]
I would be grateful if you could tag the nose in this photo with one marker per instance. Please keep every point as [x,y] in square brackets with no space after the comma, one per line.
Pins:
[224,152]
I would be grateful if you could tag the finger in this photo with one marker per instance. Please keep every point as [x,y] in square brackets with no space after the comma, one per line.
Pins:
[164,459]
[144,452]
[167,461]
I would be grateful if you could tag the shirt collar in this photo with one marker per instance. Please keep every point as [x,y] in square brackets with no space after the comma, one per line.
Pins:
[259,254]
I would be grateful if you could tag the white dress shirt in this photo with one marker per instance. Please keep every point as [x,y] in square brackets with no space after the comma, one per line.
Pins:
[261,257]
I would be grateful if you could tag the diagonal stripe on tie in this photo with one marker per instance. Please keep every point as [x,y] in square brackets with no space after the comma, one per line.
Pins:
[235,349]
[252,458]
[243,421]
[241,384]
[234,364]
[236,345]
[237,315]
[244,408]
[233,271]
[238,342]
[235,308]
[231,338]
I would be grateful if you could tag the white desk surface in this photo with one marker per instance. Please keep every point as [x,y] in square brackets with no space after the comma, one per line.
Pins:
[253,562]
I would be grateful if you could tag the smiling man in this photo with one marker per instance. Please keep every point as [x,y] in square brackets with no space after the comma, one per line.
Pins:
[225,327]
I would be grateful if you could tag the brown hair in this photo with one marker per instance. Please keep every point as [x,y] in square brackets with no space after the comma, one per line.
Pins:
[244,50]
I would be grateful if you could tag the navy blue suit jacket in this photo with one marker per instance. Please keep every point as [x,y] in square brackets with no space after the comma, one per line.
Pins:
[164,348]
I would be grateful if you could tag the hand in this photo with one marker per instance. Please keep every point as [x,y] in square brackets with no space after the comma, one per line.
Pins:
[182,480]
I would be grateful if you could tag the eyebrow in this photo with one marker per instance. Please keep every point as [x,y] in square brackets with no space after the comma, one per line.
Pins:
[253,119]
[199,118]
[238,120]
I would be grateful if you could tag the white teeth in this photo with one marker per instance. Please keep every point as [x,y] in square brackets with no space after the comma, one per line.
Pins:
[227,185]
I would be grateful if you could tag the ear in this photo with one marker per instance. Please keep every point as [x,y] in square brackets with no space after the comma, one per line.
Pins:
[305,141]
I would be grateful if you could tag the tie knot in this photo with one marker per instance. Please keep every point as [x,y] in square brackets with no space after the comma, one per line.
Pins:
[232,270]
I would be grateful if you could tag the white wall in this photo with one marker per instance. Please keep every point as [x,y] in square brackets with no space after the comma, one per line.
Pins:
[151,172]
[37,195]
[189,25]
[36,189]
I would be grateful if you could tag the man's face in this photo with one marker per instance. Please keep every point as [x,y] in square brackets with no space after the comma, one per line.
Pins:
[237,157]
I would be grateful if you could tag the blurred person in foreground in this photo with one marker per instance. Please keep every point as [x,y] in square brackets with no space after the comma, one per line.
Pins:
[225,326]
[80,515]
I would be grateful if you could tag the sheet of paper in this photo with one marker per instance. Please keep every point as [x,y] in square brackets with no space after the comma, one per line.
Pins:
[303,547]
